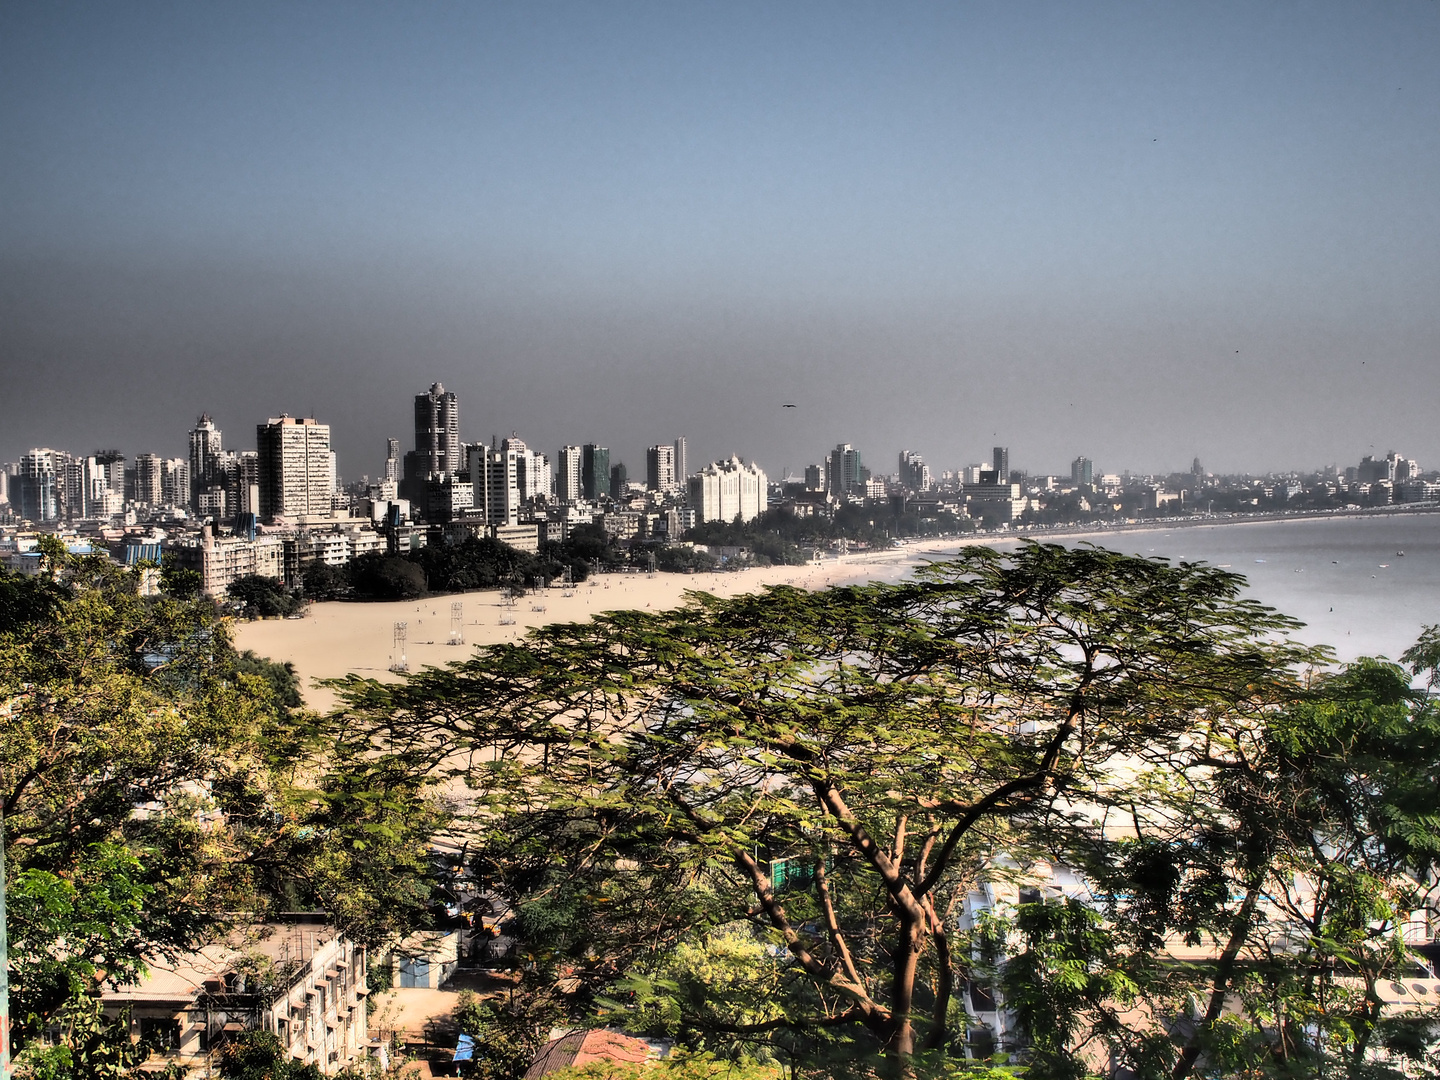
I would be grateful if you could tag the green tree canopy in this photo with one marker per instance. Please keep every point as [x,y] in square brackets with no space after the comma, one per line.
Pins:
[263,597]
[838,770]
[154,784]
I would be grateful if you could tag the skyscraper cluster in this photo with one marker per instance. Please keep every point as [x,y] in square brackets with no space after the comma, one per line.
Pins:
[448,481]
[279,509]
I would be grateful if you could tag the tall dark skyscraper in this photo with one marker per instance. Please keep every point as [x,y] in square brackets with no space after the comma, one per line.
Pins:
[1002,464]
[595,470]
[845,472]
[205,470]
[437,430]
[437,441]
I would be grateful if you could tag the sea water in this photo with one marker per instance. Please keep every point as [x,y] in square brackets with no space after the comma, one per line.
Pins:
[1365,586]
[1344,577]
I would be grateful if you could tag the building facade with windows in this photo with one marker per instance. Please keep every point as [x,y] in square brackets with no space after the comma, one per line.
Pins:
[295,468]
[595,471]
[725,490]
[300,982]
[569,487]
[660,472]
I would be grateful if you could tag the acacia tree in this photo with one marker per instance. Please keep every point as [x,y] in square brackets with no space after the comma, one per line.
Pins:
[640,778]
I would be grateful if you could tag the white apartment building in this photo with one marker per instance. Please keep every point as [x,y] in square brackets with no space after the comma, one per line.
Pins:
[337,546]
[570,489]
[495,476]
[220,560]
[660,468]
[150,479]
[295,467]
[175,482]
[725,490]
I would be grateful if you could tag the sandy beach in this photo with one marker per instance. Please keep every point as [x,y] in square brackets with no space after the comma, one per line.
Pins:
[335,639]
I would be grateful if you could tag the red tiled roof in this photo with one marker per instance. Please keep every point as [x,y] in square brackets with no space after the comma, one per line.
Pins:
[583,1047]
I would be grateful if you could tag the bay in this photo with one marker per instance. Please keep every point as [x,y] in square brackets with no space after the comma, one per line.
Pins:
[1344,577]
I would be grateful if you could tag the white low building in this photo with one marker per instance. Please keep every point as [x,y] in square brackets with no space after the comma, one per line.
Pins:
[725,490]
[298,981]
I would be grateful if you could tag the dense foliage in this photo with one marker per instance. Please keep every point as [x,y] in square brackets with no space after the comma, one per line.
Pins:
[474,563]
[262,597]
[780,537]
[758,826]
[833,773]
[157,786]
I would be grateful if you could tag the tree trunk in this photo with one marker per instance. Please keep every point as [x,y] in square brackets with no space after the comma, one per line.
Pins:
[1220,986]
[900,1046]
[944,991]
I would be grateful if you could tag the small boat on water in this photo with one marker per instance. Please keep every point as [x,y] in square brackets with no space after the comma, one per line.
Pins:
[1400,553]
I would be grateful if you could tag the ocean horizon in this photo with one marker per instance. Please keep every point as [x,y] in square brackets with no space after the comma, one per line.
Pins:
[1365,585]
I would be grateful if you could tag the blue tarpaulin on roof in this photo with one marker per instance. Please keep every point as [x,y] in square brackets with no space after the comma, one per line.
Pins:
[465,1048]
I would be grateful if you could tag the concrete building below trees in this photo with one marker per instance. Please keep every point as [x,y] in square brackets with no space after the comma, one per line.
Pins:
[299,981]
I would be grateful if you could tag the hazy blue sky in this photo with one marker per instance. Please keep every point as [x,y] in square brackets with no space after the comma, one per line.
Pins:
[1140,232]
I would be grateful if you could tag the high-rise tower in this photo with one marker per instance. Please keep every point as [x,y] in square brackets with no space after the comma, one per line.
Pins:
[572,487]
[845,472]
[660,468]
[595,470]
[914,473]
[682,463]
[294,465]
[438,449]
[206,472]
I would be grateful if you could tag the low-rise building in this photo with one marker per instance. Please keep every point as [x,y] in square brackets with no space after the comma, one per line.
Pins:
[298,981]
[996,503]
[223,560]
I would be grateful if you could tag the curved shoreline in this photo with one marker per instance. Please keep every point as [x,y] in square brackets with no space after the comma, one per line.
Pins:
[337,637]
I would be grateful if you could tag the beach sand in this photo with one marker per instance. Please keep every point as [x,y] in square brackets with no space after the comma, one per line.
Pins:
[335,639]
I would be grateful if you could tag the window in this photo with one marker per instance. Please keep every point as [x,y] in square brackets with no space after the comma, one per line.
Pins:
[163,1033]
[982,998]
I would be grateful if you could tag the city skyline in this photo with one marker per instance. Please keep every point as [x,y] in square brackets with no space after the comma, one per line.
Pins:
[996,458]
[1142,235]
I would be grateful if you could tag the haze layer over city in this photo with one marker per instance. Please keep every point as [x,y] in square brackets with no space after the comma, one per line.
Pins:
[1139,234]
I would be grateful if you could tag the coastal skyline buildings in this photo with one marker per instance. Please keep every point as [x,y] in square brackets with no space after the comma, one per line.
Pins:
[85,487]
